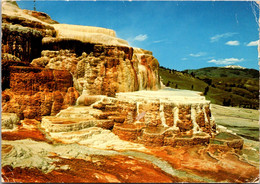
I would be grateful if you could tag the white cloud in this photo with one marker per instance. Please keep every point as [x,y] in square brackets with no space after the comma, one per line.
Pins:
[158,41]
[198,54]
[141,37]
[253,43]
[183,59]
[233,43]
[219,36]
[226,61]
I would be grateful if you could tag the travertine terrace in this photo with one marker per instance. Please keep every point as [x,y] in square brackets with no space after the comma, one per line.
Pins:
[81,105]
[150,117]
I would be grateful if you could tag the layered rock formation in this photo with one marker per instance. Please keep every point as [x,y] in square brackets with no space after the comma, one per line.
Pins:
[93,58]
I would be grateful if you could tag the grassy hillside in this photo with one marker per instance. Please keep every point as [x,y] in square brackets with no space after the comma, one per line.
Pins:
[222,86]
[219,72]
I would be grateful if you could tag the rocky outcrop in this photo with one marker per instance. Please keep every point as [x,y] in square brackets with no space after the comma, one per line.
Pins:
[30,92]
[102,70]
[44,29]
[100,63]
[36,92]
[32,79]
[36,105]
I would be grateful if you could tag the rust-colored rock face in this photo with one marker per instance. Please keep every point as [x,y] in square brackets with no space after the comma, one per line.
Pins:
[32,79]
[37,105]
[7,61]
[31,92]
[36,92]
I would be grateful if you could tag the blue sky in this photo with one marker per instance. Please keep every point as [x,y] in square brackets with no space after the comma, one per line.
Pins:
[181,35]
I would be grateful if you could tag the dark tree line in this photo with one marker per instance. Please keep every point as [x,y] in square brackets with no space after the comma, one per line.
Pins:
[206,90]
[226,102]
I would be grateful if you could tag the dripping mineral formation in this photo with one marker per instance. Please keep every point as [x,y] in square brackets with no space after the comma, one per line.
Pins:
[77,102]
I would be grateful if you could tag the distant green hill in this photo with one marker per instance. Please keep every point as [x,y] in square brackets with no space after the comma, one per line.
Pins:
[219,72]
[223,86]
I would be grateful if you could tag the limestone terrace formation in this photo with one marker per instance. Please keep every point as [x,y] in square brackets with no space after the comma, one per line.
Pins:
[80,105]
[150,117]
